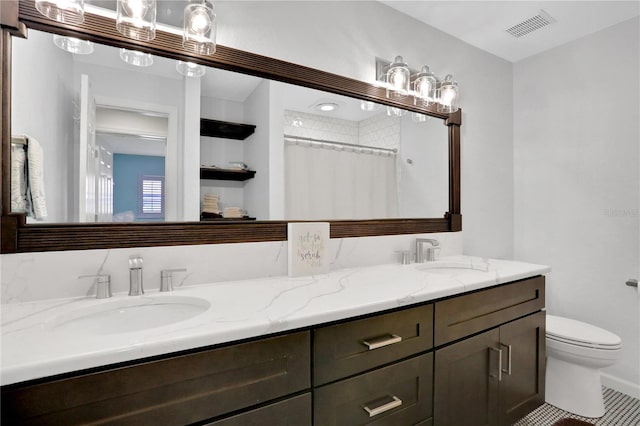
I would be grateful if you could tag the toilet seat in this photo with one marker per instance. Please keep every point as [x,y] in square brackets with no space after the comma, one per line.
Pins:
[578,333]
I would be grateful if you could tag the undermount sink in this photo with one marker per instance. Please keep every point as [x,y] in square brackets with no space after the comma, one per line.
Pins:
[133,314]
[452,266]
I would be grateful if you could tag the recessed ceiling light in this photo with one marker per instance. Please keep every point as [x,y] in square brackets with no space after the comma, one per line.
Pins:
[326,106]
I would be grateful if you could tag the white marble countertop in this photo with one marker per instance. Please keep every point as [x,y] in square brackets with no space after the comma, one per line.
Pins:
[35,346]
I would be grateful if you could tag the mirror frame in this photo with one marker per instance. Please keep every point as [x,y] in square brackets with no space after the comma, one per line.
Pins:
[16,16]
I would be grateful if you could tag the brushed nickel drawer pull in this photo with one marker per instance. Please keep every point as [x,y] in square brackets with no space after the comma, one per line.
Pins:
[395,402]
[378,342]
[508,369]
[497,375]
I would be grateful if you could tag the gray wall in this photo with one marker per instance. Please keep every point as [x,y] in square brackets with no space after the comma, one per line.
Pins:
[576,179]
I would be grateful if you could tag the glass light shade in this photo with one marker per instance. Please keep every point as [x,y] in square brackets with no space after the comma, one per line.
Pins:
[368,106]
[65,11]
[424,87]
[133,57]
[398,78]
[136,19]
[419,118]
[190,69]
[448,95]
[199,28]
[395,112]
[73,45]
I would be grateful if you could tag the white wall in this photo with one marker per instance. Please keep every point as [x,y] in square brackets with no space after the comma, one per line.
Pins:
[345,37]
[43,109]
[577,185]
[257,151]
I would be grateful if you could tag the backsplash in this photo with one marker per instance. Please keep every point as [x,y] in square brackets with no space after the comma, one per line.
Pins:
[36,276]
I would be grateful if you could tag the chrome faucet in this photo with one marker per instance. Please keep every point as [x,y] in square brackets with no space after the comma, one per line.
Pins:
[430,254]
[135,276]
[103,285]
[166,278]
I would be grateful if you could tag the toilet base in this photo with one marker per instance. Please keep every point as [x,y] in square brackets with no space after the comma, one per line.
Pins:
[574,388]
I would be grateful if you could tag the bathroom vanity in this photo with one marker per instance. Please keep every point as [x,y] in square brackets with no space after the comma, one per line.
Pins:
[442,343]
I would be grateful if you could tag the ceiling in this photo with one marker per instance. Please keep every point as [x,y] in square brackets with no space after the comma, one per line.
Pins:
[483,24]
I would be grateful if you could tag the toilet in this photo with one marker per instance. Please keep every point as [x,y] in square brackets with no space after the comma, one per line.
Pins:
[576,351]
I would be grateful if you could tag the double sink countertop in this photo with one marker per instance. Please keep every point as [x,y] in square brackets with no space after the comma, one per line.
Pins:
[45,338]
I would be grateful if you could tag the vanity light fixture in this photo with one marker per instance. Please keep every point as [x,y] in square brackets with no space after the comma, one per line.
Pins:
[448,95]
[199,28]
[395,112]
[190,69]
[65,11]
[398,78]
[424,87]
[136,19]
[73,45]
[419,118]
[134,57]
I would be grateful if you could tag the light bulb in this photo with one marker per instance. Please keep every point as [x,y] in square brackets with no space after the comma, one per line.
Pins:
[200,22]
[136,8]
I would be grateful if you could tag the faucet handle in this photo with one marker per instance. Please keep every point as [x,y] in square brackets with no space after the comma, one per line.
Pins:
[103,283]
[166,278]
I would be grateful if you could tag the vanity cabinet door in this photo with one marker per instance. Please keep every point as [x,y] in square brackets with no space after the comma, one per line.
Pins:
[493,378]
[522,385]
[350,348]
[400,394]
[294,411]
[466,391]
[177,390]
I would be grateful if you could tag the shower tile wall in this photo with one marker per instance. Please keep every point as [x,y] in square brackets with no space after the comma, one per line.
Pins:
[379,130]
[320,127]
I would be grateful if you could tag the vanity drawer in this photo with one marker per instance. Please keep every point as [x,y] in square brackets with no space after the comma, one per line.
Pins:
[290,412]
[173,391]
[346,349]
[465,315]
[400,394]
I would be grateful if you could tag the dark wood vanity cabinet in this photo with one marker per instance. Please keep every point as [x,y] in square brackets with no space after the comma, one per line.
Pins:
[492,377]
[472,359]
[370,380]
[174,391]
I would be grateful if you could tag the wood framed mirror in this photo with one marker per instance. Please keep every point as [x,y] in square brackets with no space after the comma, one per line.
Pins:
[17,17]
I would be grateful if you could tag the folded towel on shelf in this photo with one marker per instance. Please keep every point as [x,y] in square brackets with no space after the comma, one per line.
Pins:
[233,212]
[210,204]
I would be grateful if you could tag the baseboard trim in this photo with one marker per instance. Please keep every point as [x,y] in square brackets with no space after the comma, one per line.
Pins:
[621,385]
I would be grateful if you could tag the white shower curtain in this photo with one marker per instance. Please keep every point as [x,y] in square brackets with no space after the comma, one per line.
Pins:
[332,182]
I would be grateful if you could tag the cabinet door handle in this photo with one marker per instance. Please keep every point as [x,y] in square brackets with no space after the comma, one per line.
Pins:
[395,402]
[378,342]
[508,369]
[493,374]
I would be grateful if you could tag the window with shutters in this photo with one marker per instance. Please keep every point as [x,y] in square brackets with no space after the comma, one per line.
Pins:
[151,197]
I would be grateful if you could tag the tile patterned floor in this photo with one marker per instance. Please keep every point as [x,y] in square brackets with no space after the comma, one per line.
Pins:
[621,410]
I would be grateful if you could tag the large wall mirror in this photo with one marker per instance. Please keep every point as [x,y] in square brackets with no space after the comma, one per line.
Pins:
[147,156]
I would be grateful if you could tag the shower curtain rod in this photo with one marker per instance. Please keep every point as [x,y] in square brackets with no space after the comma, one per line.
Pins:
[291,138]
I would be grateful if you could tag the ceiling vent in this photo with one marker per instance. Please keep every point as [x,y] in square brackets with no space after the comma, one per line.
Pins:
[532,24]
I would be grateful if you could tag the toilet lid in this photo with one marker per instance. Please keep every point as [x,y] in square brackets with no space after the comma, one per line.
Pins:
[572,331]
